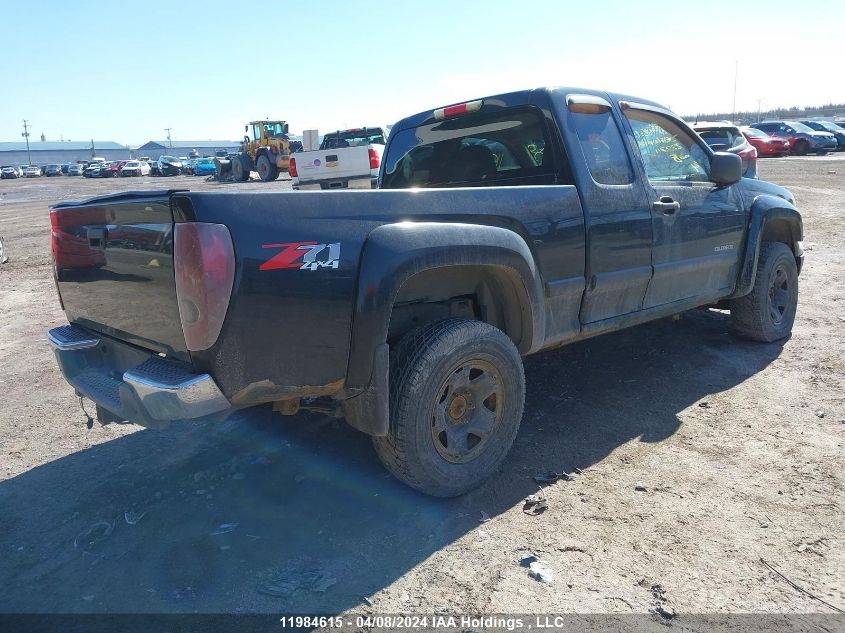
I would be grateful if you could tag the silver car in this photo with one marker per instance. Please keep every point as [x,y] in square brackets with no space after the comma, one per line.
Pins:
[10,171]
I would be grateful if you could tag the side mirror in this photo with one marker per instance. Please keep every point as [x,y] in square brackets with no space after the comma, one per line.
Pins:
[725,168]
[246,128]
[285,129]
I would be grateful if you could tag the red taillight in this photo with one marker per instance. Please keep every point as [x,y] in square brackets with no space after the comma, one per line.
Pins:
[292,168]
[747,154]
[204,263]
[375,161]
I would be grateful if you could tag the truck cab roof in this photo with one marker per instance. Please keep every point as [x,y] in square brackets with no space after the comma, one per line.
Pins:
[530,96]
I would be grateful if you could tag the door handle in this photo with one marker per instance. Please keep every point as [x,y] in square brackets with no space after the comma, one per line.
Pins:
[667,206]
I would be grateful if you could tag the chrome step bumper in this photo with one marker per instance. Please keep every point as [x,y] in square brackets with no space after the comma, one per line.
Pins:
[135,385]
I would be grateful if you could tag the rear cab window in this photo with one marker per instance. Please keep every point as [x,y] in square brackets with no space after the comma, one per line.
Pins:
[353,138]
[511,146]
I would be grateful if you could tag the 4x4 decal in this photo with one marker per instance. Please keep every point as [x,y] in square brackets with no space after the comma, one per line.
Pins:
[303,255]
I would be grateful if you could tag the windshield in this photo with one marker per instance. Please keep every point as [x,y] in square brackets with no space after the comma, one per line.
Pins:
[830,127]
[724,136]
[800,127]
[53,167]
[354,138]
[750,131]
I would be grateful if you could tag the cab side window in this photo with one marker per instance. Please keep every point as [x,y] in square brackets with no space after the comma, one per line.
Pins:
[603,147]
[669,151]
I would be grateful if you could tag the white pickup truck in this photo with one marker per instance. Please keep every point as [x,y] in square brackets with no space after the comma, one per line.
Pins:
[347,159]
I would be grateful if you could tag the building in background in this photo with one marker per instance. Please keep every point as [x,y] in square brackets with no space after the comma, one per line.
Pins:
[46,152]
[154,149]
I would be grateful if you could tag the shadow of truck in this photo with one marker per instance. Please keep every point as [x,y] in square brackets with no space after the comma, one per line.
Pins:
[254,514]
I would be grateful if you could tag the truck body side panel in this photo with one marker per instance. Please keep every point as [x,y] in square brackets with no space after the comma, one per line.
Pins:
[288,331]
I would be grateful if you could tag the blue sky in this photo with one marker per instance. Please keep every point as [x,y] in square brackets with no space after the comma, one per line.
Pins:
[126,70]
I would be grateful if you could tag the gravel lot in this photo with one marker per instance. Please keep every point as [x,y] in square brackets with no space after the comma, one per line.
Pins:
[736,448]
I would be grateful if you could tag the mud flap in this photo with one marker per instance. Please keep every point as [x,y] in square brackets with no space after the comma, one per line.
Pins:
[368,412]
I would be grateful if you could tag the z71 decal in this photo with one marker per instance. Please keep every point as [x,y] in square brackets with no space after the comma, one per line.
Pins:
[303,255]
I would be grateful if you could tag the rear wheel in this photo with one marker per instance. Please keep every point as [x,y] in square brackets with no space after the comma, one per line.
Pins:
[768,311]
[457,391]
[267,171]
[801,148]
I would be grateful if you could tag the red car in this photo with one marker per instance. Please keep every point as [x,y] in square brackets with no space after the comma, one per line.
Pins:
[766,145]
[113,169]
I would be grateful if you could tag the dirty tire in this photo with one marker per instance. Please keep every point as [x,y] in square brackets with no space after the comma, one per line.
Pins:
[239,170]
[801,148]
[267,171]
[768,311]
[440,374]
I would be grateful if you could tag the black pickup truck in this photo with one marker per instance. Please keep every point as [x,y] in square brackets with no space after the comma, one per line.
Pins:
[502,227]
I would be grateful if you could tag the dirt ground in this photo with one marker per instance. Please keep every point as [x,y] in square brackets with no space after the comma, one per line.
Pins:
[702,457]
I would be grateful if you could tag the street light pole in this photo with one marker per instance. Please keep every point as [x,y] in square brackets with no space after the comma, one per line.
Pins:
[736,73]
[169,142]
[25,134]
[759,102]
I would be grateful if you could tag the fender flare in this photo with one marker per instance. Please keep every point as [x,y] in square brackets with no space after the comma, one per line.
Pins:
[764,210]
[393,253]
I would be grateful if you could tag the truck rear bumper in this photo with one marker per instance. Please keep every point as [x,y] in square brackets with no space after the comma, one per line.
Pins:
[356,182]
[133,384]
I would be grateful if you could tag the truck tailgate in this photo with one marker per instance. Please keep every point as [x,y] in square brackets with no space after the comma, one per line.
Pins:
[333,164]
[114,268]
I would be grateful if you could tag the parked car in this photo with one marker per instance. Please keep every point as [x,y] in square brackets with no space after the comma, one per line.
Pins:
[204,167]
[347,159]
[75,169]
[188,166]
[94,170]
[154,168]
[169,166]
[802,139]
[826,126]
[512,224]
[53,170]
[764,144]
[113,169]
[725,137]
[10,172]
[32,171]
[135,168]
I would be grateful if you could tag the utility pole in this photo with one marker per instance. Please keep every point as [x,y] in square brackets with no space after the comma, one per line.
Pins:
[169,142]
[736,73]
[759,102]
[25,134]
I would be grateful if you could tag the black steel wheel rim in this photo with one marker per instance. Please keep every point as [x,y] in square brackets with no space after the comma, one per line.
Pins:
[778,295]
[467,409]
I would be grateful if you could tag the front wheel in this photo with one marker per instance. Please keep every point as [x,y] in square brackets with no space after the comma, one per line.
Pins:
[768,311]
[239,170]
[457,391]
[801,148]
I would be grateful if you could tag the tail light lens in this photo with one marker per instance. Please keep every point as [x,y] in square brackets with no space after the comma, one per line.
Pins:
[204,262]
[374,159]
[292,168]
[747,154]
